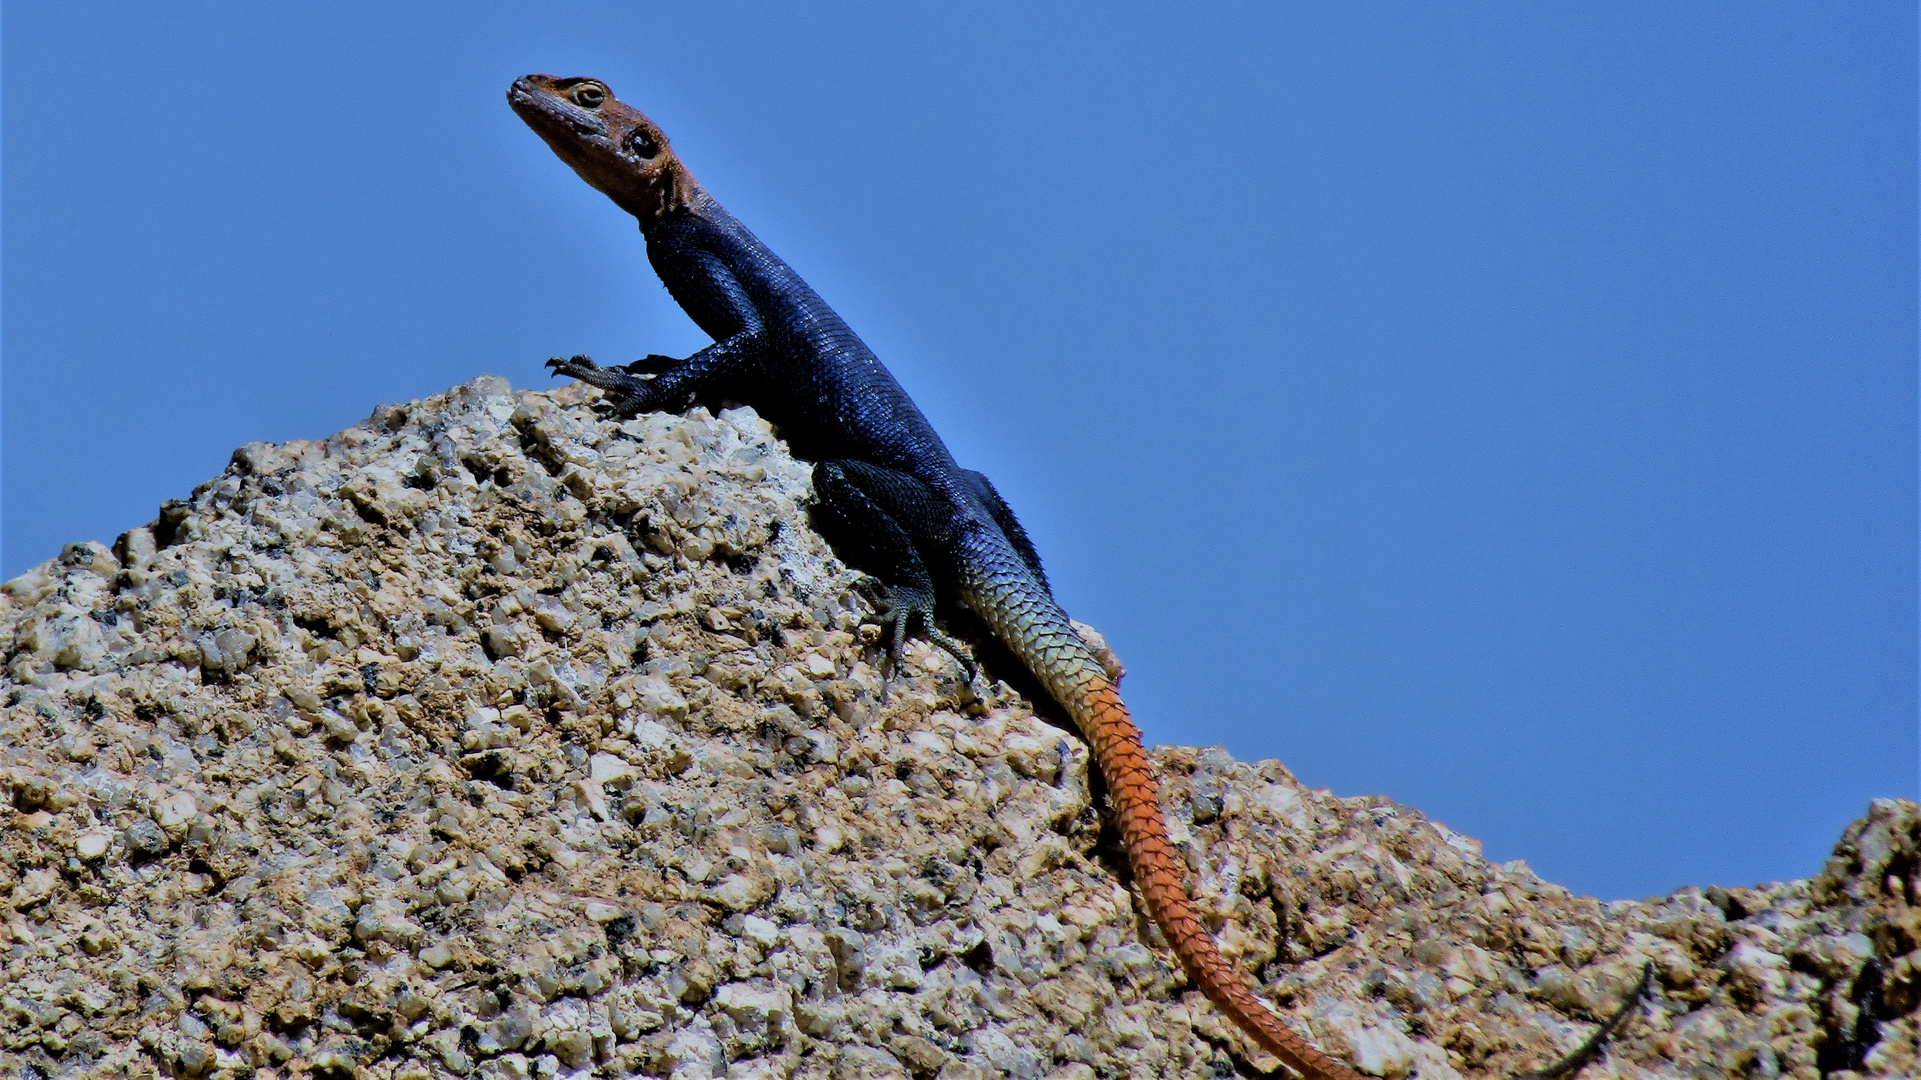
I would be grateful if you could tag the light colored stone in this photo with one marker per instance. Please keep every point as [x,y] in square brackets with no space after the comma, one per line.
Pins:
[762,932]
[1381,1050]
[383,742]
[93,843]
[173,812]
[607,769]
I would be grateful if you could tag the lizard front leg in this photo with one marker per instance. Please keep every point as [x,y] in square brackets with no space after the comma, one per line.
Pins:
[672,381]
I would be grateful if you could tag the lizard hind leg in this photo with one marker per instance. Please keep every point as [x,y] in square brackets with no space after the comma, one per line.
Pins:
[873,517]
[954,649]
[904,613]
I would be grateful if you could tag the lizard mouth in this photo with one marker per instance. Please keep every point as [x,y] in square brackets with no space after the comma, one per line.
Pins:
[540,108]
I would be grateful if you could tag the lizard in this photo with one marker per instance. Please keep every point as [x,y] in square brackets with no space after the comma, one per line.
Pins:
[927,525]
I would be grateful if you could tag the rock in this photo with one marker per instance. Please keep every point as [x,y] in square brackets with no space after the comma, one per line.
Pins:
[173,812]
[492,738]
[1383,1050]
[145,838]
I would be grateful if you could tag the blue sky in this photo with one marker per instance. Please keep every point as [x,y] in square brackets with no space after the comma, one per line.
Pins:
[1510,410]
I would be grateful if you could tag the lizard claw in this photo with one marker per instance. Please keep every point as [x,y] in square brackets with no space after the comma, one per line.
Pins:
[952,645]
[631,389]
[575,367]
[623,397]
[614,380]
[902,611]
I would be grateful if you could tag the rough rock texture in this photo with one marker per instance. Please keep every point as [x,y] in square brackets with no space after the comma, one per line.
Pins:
[491,737]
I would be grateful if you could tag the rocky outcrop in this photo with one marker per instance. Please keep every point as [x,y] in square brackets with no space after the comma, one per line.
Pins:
[490,737]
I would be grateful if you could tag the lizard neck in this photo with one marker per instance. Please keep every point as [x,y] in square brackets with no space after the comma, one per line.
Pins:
[673,190]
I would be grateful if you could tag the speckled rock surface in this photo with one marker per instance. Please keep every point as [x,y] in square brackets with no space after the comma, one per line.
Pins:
[492,738]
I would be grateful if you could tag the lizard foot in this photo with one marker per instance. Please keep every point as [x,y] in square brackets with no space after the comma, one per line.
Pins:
[903,611]
[577,367]
[614,380]
[625,394]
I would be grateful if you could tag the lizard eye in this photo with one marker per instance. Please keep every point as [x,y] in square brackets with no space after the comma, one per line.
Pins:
[589,96]
[643,145]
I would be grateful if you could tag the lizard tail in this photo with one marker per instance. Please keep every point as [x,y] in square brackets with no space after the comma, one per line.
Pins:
[1116,743]
[1024,616]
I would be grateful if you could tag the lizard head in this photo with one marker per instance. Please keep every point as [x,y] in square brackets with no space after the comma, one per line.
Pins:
[611,144]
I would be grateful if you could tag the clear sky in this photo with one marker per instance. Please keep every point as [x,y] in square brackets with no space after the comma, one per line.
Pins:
[1509,409]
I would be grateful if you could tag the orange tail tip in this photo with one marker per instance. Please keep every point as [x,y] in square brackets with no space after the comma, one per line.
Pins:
[1131,786]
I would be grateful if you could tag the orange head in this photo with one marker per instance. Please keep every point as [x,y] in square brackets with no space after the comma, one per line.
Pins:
[612,145]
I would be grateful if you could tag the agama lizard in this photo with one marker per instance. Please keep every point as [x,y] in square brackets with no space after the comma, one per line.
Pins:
[926,523]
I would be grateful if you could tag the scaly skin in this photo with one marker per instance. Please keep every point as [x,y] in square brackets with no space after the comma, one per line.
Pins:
[1036,629]
[929,523]
[883,477]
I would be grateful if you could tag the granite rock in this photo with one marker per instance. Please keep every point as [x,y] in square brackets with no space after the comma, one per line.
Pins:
[492,738]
